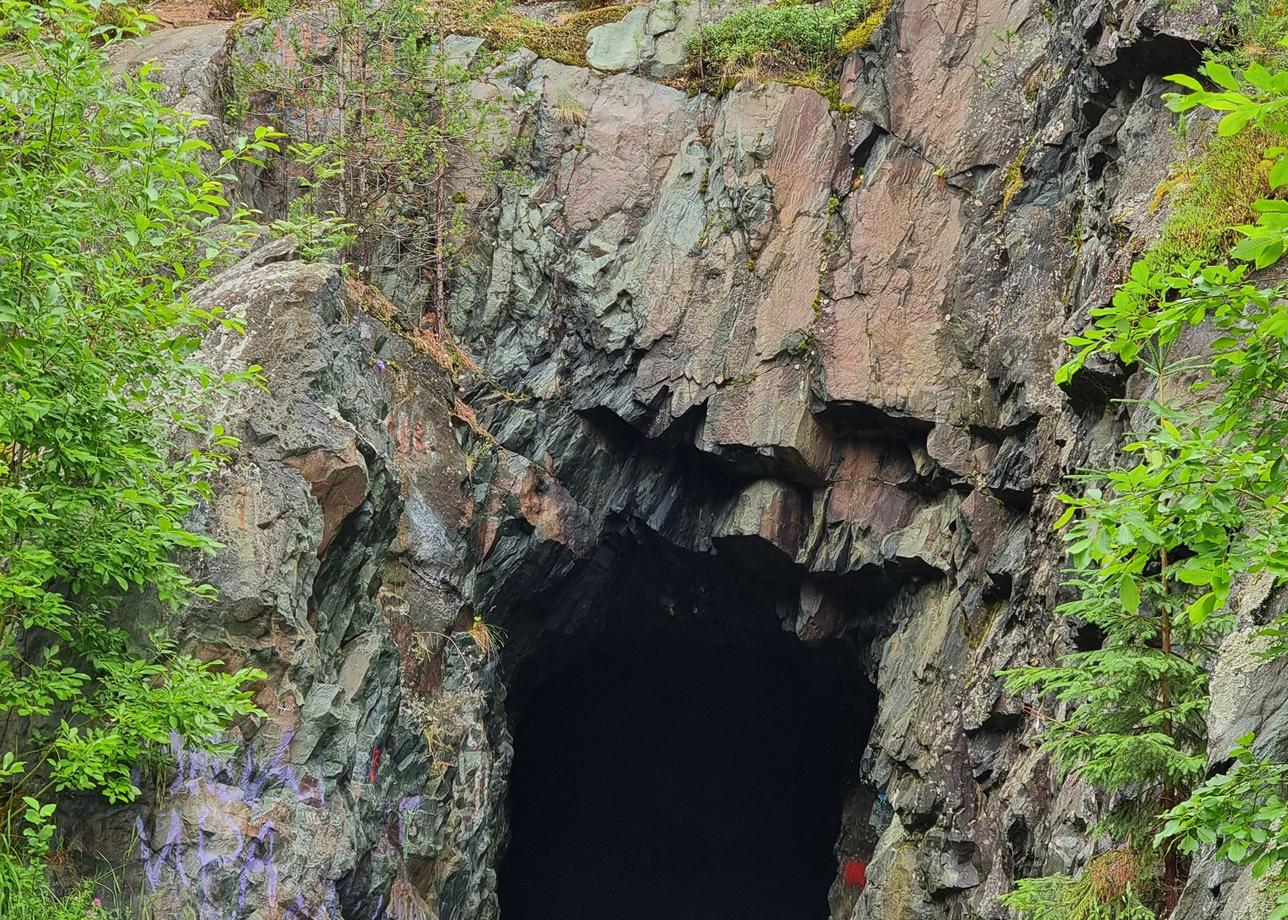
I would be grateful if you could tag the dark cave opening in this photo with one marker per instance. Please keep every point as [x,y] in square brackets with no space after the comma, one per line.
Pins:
[682,771]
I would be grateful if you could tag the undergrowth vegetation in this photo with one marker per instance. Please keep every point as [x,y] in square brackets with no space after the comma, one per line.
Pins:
[1116,885]
[1258,28]
[562,38]
[1210,196]
[26,894]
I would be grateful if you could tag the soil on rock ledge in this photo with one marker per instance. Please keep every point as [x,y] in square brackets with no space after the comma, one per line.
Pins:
[772,361]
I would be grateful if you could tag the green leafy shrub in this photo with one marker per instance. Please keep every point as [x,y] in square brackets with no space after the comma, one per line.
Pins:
[108,217]
[1243,813]
[1259,27]
[319,234]
[794,42]
[1199,499]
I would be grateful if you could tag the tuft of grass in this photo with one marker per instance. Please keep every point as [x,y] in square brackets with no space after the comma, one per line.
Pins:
[487,637]
[569,112]
[790,42]
[1212,194]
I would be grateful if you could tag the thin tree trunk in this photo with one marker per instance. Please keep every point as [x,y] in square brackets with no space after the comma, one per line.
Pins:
[341,103]
[440,194]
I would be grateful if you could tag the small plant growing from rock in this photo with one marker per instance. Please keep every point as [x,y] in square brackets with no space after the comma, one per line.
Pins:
[318,234]
[1116,885]
[569,112]
[487,637]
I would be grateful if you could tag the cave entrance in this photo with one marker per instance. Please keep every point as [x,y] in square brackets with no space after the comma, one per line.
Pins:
[683,771]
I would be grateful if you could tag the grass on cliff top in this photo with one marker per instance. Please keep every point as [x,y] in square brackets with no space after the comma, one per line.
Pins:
[789,41]
[562,39]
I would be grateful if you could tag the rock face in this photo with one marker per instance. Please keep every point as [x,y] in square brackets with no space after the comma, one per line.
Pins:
[745,358]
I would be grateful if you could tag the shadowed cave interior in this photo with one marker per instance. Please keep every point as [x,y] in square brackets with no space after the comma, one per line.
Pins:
[682,771]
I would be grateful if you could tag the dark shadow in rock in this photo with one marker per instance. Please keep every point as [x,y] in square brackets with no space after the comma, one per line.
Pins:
[682,771]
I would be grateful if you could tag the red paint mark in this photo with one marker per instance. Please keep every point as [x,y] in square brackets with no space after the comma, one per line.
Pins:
[856,872]
[375,762]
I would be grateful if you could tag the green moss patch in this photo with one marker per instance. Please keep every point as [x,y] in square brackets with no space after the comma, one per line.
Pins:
[1209,195]
[861,35]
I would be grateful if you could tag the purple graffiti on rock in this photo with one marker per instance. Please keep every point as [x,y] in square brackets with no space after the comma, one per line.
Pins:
[212,789]
[202,775]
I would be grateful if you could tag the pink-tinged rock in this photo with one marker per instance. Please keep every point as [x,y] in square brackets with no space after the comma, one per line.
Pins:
[885,341]
[552,511]
[765,425]
[791,250]
[721,305]
[865,487]
[338,480]
[632,130]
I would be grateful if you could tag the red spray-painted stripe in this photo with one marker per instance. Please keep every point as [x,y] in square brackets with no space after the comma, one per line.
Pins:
[856,872]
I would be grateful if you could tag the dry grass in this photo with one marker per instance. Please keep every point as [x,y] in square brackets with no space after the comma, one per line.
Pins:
[461,410]
[569,112]
[487,637]
[1113,873]
[447,355]
[562,39]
